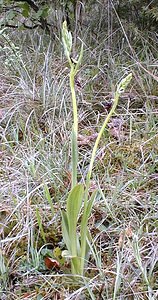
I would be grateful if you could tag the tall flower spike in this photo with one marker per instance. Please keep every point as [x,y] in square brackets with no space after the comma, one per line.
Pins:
[123,84]
[67,41]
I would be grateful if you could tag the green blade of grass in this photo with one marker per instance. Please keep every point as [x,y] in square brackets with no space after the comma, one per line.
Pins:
[39,220]
[48,198]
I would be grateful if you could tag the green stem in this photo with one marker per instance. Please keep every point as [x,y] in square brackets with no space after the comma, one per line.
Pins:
[116,98]
[88,177]
[75,128]
[74,102]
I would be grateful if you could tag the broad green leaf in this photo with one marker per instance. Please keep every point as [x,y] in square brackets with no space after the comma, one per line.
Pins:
[74,202]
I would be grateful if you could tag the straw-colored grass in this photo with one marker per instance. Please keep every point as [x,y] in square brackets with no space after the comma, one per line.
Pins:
[35,130]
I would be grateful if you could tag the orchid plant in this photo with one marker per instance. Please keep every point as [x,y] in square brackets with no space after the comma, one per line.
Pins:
[77,238]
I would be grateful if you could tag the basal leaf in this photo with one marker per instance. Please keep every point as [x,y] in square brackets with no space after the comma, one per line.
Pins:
[74,202]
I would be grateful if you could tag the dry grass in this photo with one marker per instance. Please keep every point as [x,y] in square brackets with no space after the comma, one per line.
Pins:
[36,114]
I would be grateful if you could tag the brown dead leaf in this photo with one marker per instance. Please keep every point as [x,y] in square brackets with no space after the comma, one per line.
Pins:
[51,263]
